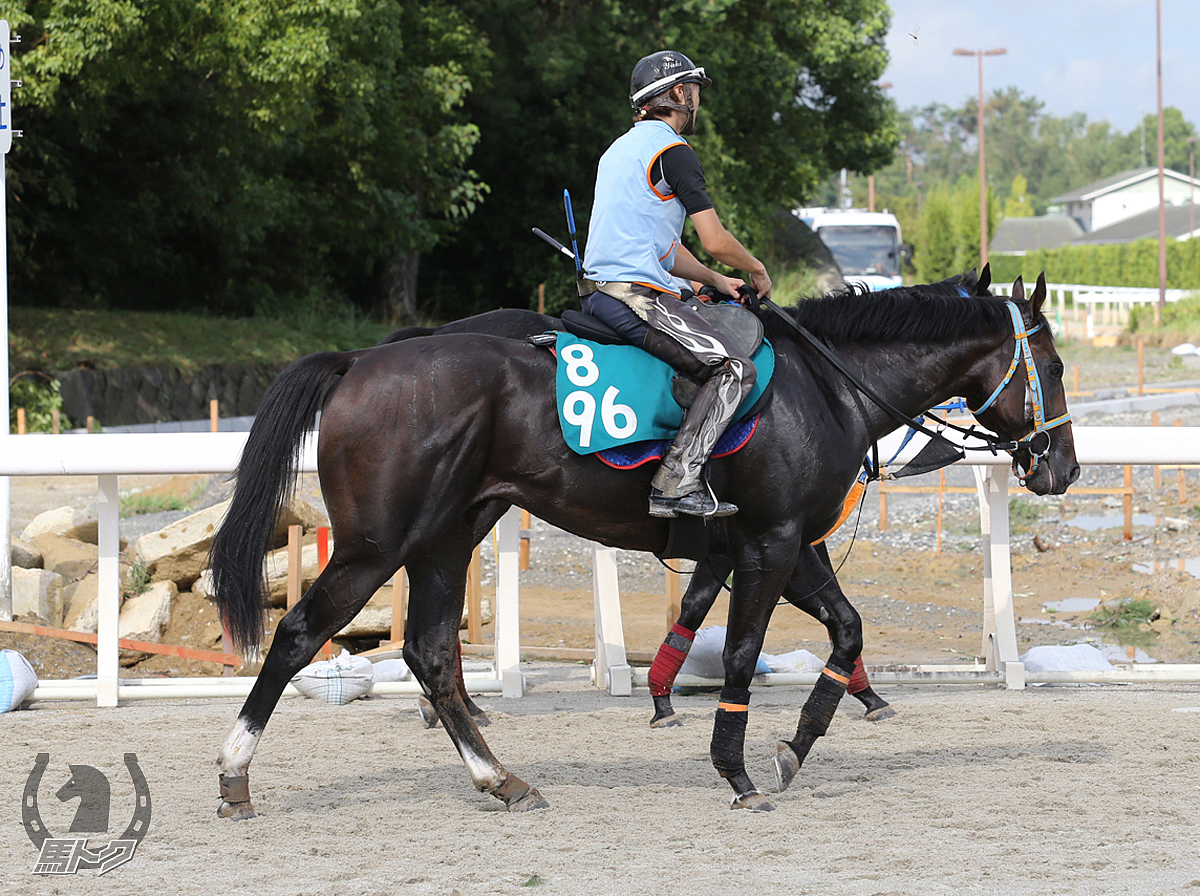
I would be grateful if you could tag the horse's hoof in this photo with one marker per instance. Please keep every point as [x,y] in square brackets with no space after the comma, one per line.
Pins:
[236,811]
[754,800]
[428,714]
[670,721]
[878,715]
[787,765]
[481,719]
[530,801]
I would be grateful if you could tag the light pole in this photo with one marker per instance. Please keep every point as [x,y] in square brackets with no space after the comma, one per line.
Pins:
[1192,183]
[871,177]
[1162,203]
[983,230]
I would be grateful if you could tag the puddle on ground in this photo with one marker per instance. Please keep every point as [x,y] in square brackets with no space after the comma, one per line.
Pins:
[1190,565]
[1072,605]
[1093,522]
[1123,653]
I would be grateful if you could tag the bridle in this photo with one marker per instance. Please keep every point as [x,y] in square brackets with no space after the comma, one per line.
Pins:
[990,443]
[1034,401]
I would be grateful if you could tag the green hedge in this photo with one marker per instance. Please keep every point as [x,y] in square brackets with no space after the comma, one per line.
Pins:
[1116,264]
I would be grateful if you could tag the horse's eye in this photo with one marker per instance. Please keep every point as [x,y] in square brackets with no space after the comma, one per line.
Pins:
[1055,369]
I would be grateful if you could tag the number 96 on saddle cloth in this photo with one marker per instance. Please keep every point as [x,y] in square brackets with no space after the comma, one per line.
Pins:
[611,395]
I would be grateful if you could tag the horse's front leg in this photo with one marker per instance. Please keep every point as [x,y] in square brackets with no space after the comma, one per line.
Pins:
[760,574]
[845,630]
[815,591]
[701,594]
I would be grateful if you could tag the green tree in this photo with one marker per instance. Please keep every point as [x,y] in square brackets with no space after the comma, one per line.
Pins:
[935,239]
[1018,204]
[237,156]
[1140,144]
[794,98]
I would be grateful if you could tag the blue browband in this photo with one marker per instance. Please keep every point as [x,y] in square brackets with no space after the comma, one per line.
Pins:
[1041,424]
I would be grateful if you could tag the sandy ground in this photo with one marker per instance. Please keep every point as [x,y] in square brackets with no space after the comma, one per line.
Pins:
[969,790]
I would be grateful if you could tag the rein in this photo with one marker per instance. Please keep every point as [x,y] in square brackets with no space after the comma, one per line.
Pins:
[991,443]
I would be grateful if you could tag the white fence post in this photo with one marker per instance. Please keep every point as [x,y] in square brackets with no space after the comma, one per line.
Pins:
[108,541]
[999,623]
[508,609]
[610,668]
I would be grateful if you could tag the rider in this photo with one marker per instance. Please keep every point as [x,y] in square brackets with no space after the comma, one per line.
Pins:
[648,182]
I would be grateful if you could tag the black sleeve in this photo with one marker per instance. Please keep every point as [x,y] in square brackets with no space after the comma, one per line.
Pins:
[681,169]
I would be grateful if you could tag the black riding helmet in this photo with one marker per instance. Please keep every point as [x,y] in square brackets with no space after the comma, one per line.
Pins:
[661,71]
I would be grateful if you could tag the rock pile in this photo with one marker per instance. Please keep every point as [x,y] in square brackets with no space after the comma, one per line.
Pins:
[55,572]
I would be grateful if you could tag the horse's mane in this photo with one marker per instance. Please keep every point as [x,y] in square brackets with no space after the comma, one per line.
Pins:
[929,313]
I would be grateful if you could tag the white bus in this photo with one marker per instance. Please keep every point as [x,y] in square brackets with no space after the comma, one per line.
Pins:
[866,245]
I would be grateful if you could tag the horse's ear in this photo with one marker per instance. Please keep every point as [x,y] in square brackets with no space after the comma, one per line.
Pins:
[1038,297]
[985,280]
[1018,288]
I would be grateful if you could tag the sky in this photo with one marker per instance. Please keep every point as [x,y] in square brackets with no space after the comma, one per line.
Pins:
[1096,56]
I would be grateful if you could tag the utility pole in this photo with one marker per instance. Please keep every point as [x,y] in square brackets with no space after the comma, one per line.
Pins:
[983,228]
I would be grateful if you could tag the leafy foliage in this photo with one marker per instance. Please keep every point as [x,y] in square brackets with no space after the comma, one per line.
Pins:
[234,156]
[40,396]
[252,156]
[1114,264]
[794,98]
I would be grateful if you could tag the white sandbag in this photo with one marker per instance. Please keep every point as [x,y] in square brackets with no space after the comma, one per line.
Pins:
[1058,658]
[705,658]
[338,681]
[795,661]
[1185,348]
[17,680]
[391,670]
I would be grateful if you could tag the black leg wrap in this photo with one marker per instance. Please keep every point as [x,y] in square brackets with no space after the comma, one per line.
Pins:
[822,703]
[729,732]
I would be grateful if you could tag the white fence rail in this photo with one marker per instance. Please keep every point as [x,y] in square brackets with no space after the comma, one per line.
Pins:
[1097,305]
[109,456]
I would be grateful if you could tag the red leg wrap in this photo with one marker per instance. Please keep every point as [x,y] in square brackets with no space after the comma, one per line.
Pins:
[669,659]
[858,680]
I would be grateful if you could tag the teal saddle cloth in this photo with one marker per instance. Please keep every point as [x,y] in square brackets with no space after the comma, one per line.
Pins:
[611,396]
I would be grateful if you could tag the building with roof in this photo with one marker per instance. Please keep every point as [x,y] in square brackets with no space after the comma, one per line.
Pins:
[1117,209]
[1103,203]
[1016,236]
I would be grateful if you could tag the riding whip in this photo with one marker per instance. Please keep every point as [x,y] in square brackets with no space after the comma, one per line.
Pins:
[571,229]
[555,243]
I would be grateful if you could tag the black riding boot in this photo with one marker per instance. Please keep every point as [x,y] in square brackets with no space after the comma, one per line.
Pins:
[678,486]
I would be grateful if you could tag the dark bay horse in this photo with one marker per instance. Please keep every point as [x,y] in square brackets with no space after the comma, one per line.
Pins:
[813,587]
[425,443]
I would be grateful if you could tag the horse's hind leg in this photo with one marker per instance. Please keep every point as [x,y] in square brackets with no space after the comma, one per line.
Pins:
[701,594]
[314,620]
[438,580]
[429,715]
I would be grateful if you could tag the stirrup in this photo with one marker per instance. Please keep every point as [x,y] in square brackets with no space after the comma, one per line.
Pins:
[697,503]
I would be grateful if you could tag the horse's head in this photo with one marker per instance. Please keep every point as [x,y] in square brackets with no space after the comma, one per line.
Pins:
[1024,401]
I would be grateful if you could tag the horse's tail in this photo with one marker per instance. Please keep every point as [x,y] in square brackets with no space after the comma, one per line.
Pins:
[266,475]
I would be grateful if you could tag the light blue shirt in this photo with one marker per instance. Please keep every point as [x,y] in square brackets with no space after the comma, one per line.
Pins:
[635,226]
